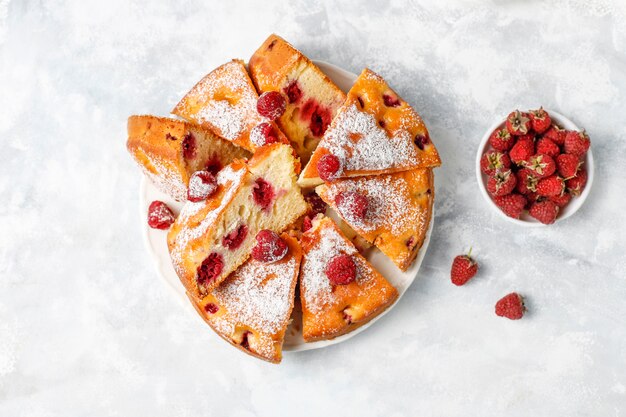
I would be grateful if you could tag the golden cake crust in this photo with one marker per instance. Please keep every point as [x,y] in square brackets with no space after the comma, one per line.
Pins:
[399,210]
[252,307]
[330,311]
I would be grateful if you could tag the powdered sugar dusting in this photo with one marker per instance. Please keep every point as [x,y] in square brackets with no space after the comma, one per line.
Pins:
[373,149]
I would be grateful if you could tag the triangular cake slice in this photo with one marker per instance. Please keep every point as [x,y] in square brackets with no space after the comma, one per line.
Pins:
[170,150]
[212,238]
[330,309]
[251,308]
[392,211]
[374,132]
[312,98]
[225,101]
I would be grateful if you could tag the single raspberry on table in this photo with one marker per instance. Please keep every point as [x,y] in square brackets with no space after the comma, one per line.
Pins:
[511,306]
[271,104]
[541,165]
[545,211]
[511,204]
[160,216]
[269,247]
[540,120]
[352,204]
[502,183]
[501,140]
[568,165]
[202,185]
[518,123]
[493,161]
[341,270]
[328,166]
[463,269]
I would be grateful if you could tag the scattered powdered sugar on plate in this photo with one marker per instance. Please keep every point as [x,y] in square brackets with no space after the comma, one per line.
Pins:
[373,149]
[258,295]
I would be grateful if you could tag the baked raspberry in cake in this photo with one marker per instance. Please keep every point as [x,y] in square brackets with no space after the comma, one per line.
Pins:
[225,101]
[212,238]
[339,289]
[375,132]
[392,211]
[312,98]
[251,308]
[169,151]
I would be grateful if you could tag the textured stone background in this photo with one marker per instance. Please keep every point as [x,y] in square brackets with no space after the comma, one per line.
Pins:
[87,327]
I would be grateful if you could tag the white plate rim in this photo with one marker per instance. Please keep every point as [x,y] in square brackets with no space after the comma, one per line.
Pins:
[165,269]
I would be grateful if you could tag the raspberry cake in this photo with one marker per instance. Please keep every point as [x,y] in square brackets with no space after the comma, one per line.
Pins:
[375,132]
[251,308]
[312,98]
[169,151]
[339,290]
[392,211]
[212,238]
[225,101]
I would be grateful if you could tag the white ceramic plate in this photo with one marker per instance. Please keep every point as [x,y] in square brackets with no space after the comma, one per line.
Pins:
[155,241]
[525,218]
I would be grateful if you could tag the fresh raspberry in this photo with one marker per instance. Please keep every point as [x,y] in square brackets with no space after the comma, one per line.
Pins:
[352,204]
[160,216]
[518,123]
[550,186]
[568,165]
[540,120]
[263,134]
[555,134]
[271,104]
[341,270]
[511,204]
[328,166]
[263,193]
[202,185]
[235,238]
[189,146]
[541,165]
[213,165]
[293,92]
[526,181]
[210,269]
[502,183]
[211,308]
[463,269]
[494,161]
[576,143]
[511,306]
[307,224]
[317,204]
[420,140]
[269,247]
[548,147]
[522,151]
[391,101]
[577,184]
[545,211]
[561,200]
[501,140]
[320,119]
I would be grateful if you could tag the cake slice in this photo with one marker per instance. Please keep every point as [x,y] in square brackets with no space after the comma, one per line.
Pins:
[212,238]
[392,211]
[339,289]
[225,101]
[169,151]
[312,98]
[251,308]
[375,132]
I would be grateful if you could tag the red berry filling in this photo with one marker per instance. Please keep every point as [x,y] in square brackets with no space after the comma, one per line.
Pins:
[263,193]
[320,119]
[211,308]
[421,141]
[293,92]
[189,146]
[202,185]
[315,201]
[352,204]
[328,166]
[391,101]
[213,165]
[271,105]
[210,268]
[341,270]
[347,317]
[263,134]
[235,238]
[160,216]
[269,247]
[245,343]
[307,224]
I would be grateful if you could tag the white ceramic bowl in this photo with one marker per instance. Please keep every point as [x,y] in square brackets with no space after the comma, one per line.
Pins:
[526,219]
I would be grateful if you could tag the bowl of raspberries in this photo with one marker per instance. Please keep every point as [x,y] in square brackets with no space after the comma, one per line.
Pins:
[535,167]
